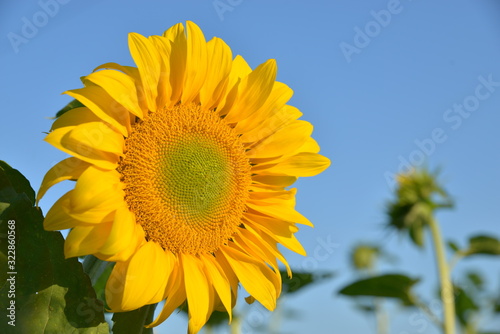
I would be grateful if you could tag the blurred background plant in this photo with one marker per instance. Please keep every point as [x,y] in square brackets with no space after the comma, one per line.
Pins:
[466,302]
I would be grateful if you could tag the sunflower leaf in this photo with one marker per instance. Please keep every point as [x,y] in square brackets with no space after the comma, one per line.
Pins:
[302,279]
[484,245]
[72,105]
[46,292]
[19,183]
[134,321]
[390,286]
[464,306]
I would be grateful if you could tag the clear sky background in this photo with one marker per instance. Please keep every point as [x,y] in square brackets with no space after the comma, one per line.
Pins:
[377,99]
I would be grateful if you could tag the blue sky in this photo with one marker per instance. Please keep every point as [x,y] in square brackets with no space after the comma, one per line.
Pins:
[385,83]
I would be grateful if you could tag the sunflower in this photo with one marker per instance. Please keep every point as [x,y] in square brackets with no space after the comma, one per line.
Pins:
[182,167]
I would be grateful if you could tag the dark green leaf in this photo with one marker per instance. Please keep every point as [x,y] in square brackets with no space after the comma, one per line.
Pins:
[219,318]
[134,321]
[464,305]
[483,244]
[17,181]
[475,279]
[72,105]
[52,294]
[99,272]
[389,285]
[300,280]
[368,308]
[453,246]
[496,307]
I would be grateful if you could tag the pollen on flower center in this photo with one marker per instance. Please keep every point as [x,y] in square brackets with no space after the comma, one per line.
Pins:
[186,178]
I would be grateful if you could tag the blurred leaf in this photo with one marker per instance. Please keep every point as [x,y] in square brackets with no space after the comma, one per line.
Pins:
[389,285]
[365,307]
[453,246]
[482,244]
[72,105]
[496,307]
[218,318]
[475,279]
[302,279]
[464,305]
[52,294]
[134,321]
[99,272]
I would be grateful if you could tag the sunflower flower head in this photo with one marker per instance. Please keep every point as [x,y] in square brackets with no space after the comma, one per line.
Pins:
[183,167]
[418,196]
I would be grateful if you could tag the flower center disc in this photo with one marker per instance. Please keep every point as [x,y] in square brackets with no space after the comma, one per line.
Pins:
[186,178]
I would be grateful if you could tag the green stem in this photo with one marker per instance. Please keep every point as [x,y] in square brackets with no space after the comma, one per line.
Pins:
[380,316]
[445,279]
[208,329]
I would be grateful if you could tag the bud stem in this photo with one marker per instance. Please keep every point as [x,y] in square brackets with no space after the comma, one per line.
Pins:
[447,296]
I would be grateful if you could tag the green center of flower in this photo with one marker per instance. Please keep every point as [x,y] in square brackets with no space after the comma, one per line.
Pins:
[186,178]
[195,174]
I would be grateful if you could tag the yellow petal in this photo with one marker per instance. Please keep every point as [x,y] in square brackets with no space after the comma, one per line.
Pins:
[97,136]
[84,240]
[121,236]
[309,146]
[67,169]
[253,91]
[61,139]
[254,249]
[216,275]
[58,218]
[132,72]
[97,194]
[197,291]
[301,164]
[162,44]
[239,70]
[125,254]
[92,185]
[281,212]
[219,66]
[75,117]
[283,197]
[137,282]
[121,88]
[279,96]
[284,141]
[256,277]
[147,59]
[178,56]
[279,230]
[175,294]
[272,124]
[196,62]
[275,180]
[264,242]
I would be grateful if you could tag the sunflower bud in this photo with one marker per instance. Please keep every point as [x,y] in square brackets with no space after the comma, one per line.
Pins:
[363,257]
[418,195]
